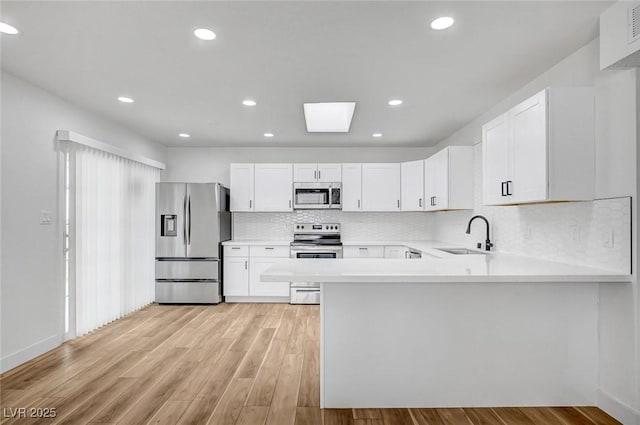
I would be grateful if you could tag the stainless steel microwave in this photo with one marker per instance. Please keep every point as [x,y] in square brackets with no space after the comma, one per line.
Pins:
[311,196]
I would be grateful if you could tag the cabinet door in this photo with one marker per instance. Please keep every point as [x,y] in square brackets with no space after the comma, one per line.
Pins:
[351,187]
[305,173]
[395,251]
[236,276]
[330,173]
[241,187]
[381,187]
[412,185]
[437,181]
[495,161]
[528,128]
[273,187]
[266,289]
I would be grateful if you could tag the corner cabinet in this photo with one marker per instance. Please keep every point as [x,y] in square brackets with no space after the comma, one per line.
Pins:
[273,187]
[448,179]
[542,150]
[241,187]
[381,187]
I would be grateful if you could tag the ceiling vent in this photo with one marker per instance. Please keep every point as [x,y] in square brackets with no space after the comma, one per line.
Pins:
[634,23]
[620,35]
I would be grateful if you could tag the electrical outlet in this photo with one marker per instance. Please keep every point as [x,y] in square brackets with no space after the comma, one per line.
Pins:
[45,217]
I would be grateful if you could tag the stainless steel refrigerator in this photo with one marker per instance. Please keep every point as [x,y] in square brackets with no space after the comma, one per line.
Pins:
[192,219]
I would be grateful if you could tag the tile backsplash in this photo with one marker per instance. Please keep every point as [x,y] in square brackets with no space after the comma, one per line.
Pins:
[354,226]
[596,234]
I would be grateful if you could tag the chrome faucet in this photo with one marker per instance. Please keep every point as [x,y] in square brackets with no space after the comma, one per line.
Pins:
[487,243]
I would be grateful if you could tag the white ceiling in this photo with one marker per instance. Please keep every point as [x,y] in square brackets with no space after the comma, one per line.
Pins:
[283,54]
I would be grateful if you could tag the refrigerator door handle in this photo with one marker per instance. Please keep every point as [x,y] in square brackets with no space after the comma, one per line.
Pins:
[189,231]
[184,221]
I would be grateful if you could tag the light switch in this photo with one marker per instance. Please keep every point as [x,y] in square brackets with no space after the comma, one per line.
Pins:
[45,217]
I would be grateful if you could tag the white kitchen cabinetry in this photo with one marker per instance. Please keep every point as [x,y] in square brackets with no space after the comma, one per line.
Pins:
[412,184]
[363,251]
[381,187]
[236,276]
[261,257]
[395,251]
[328,173]
[541,150]
[241,187]
[273,187]
[448,179]
[351,187]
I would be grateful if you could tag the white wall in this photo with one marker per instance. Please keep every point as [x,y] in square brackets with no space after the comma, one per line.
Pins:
[617,94]
[31,289]
[212,164]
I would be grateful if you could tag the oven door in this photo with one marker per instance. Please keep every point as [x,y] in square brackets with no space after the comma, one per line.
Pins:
[306,252]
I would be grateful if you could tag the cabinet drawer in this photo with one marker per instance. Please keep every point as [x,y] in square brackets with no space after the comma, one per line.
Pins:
[363,251]
[236,251]
[269,251]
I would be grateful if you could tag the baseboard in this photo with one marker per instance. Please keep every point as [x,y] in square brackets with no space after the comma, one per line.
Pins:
[232,299]
[30,352]
[614,407]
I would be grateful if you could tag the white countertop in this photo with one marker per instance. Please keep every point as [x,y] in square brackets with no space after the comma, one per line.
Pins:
[456,268]
[256,242]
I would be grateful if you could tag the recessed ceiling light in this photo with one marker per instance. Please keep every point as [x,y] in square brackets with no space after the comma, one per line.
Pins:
[8,29]
[184,135]
[376,135]
[442,22]
[395,102]
[329,117]
[249,102]
[125,99]
[204,34]
[268,134]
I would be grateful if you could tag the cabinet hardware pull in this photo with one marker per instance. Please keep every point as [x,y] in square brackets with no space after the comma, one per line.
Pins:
[398,203]
[502,188]
[358,203]
[420,202]
[245,265]
[508,182]
[289,203]
[363,249]
[318,174]
[268,247]
[249,203]
[235,247]
[315,175]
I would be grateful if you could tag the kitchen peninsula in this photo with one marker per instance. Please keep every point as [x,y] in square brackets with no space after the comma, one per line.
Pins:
[455,330]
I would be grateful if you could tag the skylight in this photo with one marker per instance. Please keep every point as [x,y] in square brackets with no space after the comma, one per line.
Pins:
[329,117]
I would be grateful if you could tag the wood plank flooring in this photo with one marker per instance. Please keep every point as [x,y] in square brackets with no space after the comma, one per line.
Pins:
[230,364]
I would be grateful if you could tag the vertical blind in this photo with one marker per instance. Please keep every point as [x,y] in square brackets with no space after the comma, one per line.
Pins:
[114,235]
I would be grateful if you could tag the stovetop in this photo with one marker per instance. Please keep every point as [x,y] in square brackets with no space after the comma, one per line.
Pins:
[321,234]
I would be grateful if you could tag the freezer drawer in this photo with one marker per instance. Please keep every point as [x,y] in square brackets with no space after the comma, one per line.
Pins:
[187,269]
[305,295]
[188,292]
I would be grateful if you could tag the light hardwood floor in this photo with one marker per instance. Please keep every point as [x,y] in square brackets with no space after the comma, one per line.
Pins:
[243,364]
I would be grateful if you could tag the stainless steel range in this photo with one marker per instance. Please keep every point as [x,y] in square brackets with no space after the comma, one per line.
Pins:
[313,240]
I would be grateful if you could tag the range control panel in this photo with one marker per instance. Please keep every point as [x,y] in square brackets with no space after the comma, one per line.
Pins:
[316,227]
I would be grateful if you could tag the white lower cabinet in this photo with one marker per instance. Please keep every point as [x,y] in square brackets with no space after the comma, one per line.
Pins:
[395,251]
[236,276]
[363,251]
[243,266]
[258,288]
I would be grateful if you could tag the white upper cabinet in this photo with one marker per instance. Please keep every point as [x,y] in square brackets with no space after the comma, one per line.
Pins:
[541,150]
[241,187]
[351,187]
[412,184]
[381,187]
[328,173]
[448,179]
[273,187]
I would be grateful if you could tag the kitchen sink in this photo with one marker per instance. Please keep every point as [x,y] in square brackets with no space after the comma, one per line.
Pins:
[462,251]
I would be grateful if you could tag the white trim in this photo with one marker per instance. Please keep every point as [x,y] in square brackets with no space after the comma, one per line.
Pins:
[70,136]
[29,353]
[235,299]
[616,408]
